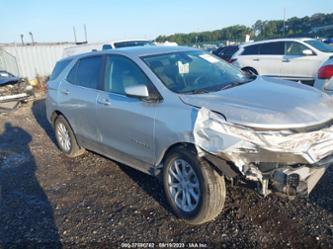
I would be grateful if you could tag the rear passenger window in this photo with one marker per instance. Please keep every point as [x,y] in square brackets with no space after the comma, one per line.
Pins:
[251,50]
[59,67]
[272,48]
[121,72]
[86,72]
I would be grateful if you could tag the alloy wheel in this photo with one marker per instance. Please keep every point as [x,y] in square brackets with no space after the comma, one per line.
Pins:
[63,137]
[183,185]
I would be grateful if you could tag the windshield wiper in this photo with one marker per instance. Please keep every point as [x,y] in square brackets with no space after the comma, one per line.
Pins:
[236,83]
[232,84]
[197,91]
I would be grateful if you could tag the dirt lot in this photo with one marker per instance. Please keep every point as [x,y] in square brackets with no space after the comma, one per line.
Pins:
[52,201]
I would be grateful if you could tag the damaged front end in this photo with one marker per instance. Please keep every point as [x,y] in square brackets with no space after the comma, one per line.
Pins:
[13,91]
[288,161]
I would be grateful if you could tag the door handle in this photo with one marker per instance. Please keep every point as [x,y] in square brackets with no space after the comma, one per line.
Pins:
[104,101]
[65,91]
[285,60]
[256,59]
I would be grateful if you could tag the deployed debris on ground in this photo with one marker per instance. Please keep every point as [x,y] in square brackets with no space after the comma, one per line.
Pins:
[13,91]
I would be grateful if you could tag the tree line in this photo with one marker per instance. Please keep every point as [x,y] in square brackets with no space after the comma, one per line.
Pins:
[293,27]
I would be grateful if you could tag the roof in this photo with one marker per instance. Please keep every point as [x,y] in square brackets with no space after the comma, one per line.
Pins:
[139,51]
[277,40]
[152,50]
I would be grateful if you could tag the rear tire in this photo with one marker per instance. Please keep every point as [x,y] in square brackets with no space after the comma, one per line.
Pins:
[66,139]
[202,204]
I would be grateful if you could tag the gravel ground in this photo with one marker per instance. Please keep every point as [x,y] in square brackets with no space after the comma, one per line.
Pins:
[50,201]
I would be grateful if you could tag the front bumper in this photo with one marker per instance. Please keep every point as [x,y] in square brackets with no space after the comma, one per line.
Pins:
[289,180]
[288,161]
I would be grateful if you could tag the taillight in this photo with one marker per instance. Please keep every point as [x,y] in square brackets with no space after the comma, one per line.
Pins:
[325,72]
[232,60]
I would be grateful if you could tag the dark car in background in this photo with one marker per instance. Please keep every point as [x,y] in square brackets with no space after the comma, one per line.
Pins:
[226,52]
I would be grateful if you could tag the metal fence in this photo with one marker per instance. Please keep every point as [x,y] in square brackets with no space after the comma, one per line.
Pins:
[33,60]
[8,63]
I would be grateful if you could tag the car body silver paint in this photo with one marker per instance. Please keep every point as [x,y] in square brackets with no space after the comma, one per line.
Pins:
[150,129]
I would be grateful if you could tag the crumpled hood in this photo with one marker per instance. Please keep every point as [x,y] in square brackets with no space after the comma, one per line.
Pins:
[268,103]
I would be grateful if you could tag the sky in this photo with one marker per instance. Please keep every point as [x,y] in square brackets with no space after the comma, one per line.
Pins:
[53,21]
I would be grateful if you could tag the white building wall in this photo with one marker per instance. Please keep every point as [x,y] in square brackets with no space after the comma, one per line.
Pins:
[37,59]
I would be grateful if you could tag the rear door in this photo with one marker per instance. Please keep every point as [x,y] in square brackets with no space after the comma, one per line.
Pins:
[78,98]
[125,124]
[296,65]
[270,58]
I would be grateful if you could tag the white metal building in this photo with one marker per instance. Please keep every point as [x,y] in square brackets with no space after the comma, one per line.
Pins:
[32,60]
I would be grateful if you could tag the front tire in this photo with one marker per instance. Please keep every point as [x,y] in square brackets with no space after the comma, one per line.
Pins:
[194,190]
[66,139]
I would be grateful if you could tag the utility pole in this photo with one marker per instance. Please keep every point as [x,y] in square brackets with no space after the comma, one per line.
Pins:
[74,31]
[284,22]
[22,41]
[85,33]
[32,38]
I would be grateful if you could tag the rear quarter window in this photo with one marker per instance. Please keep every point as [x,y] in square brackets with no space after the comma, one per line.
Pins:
[59,67]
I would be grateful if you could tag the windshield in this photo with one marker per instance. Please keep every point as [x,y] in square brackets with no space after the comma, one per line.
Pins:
[195,72]
[320,46]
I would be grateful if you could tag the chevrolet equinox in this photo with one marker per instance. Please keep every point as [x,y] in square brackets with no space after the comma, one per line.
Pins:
[194,121]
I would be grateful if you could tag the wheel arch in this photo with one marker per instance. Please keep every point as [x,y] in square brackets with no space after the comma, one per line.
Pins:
[54,116]
[250,68]
[173,147]
[221,166]
[58,113]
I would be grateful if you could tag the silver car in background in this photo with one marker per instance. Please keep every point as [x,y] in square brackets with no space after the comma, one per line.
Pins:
[193,120]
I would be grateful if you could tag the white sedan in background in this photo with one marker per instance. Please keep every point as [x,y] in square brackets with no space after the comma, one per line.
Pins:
[324,79]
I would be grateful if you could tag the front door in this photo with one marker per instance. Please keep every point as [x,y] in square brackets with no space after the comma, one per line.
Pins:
[125,124]
[297,65]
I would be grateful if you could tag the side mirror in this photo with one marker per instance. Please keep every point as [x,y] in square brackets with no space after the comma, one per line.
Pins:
[139,91]
[307,52]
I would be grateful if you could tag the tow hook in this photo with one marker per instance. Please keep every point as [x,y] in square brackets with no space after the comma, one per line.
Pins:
[292,183]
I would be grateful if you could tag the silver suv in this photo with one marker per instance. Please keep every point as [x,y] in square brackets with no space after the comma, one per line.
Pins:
[192,120]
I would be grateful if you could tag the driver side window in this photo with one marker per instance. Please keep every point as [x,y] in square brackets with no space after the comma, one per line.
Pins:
[295,48]
[120,73]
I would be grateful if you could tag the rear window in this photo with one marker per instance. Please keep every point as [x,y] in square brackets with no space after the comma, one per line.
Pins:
[59,67]
[229,52]
[251,50]
[218,51]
